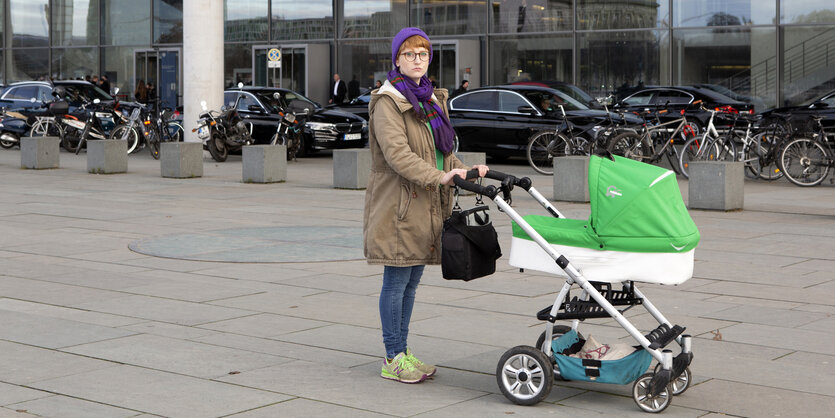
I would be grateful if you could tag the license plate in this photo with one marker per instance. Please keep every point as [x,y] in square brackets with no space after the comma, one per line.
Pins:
[349,137]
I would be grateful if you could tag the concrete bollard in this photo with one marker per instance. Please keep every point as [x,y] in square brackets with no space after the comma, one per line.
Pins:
[107,156]
[264,163]
[471,159]
[39,152]
[571,178]
[716,185]
[351,168]
[181,159]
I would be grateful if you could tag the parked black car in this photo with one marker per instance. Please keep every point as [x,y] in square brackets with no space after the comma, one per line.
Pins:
[577,93]
[19,96]
[357,106]
[800,116]
[323,128]
[499,120]
[678,98]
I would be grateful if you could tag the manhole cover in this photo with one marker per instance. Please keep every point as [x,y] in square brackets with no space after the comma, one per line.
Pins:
[258,245]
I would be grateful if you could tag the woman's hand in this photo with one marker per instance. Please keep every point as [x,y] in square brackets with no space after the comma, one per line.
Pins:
[446,180]
[482,169]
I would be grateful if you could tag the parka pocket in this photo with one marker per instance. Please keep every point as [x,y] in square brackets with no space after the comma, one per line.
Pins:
[405,200]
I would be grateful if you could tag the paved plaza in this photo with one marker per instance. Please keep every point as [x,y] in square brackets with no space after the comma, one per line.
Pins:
[132,295]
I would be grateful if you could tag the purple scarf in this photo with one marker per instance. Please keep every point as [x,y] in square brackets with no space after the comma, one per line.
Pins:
[416,94]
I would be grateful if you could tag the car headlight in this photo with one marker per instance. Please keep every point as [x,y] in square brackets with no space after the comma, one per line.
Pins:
[319,126]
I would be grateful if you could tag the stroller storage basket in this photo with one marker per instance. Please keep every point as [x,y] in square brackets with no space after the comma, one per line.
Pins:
[620,371]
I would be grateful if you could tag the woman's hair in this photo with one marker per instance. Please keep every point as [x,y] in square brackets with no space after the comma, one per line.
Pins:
[414,42]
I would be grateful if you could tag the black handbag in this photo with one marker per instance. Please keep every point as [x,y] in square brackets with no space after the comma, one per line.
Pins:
[469,243]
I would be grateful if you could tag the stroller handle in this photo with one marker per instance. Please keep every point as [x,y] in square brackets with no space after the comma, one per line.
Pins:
[489,191]
[506,179]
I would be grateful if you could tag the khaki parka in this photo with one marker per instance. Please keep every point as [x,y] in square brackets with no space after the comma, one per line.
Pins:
[405,205]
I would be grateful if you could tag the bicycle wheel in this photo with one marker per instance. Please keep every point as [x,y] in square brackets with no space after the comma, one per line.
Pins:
[805,162]
[726,146]
[542,148]
[46,128]
[173,131]
[128,133]
[769,159]
[695,149]
[153,143]
[752,155]
[629,145]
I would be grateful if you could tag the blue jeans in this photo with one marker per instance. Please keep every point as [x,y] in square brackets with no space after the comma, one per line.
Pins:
[397,298]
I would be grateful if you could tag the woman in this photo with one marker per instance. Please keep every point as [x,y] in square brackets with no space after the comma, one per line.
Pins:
[141,92]
[408,197]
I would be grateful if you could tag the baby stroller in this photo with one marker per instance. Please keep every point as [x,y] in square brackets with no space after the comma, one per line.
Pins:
[639,231]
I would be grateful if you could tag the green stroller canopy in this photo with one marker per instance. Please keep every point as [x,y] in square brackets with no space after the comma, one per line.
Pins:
[635,207]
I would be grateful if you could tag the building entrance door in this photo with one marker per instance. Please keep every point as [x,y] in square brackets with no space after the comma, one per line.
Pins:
[161,68]
[443,65]
[291,75]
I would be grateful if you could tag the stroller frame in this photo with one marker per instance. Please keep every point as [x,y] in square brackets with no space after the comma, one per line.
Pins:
[652,392]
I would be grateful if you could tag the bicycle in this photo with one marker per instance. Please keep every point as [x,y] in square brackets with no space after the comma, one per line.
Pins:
[806,161]
[159,126]
[707,148]
[545,145]
[757,148]
[655,141]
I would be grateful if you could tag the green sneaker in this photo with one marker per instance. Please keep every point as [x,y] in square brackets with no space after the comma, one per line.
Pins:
[401,370]
[426,369]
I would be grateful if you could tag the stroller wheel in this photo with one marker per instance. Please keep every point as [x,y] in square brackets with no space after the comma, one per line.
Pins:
[524,375]
[558,331]
[647,402]
[679,384]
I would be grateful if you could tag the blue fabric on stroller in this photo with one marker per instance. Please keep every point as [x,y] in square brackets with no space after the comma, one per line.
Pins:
[621,371]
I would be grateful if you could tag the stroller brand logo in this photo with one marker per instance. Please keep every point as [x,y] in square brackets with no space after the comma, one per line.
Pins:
[613,191]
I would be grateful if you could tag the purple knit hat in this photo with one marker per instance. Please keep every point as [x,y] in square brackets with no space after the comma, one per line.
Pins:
[401,37]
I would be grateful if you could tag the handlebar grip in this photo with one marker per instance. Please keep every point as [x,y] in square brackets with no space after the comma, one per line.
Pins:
[662,111]
[697,102]
[489,191]
[523,182]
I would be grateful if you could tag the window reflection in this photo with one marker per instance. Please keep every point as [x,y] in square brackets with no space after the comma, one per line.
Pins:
[366,60]
[75,22]
[28,64]
[245,20]
[527,58]
[74,63]
[373,18]
[168,21]
[807,11]
[808,62]
[313,21]
[119,67]
[126,22]
[723,13]
[739,64]
[28,22]
[237,64]
[449,17]
[619,62]
[515,16]
[608,14]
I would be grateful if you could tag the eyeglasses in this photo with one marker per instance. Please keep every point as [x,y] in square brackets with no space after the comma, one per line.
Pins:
[411,56]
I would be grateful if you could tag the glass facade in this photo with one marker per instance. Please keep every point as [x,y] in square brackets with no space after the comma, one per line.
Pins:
[770,52]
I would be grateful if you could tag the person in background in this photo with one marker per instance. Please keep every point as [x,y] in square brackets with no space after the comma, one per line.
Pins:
[338,90]
[461,89]
[353,88]
[141,92]
[408,194]
[378,84]
[105,83]
[152,92]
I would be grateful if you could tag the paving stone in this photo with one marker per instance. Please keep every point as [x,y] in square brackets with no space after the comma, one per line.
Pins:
[495,406]
[368,285]
[178,356]
[752,400]
[52,293]
[339,385]
[265,272]
[12,394]
[159,392]
[736,300]
[767,292]
[66,407]
[622,406]
[264,325]
[11,413]
[191,291]
[163,329]
[48,332]
[768,316]
[462,327]
[163,310]
[24,364]
[76,315]
[826,324]
[327,355]
[305,408]
[788,338]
